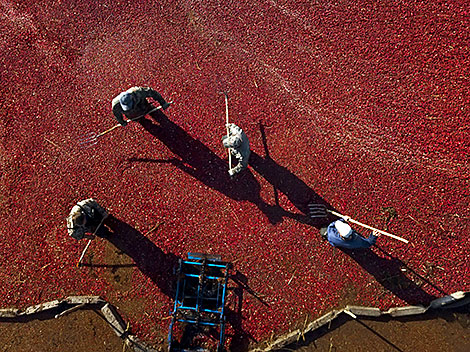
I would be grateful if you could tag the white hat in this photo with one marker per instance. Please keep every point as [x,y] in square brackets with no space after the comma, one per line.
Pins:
[127,101]
[344,229]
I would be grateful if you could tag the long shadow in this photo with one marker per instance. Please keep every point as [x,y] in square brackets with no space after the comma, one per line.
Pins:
[241,338]
[196,159]
[282,180]
[405,267]
[388,272]
[149,259]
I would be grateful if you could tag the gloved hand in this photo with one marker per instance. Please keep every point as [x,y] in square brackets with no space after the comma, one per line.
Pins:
[376,233]
[231,172]
[165,106]
[226,142]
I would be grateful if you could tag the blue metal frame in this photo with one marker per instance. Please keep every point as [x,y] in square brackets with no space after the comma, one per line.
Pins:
[195,276]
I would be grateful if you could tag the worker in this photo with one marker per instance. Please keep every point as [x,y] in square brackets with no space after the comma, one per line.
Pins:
[340,234]
[239,146]
[133,103]
[86,220]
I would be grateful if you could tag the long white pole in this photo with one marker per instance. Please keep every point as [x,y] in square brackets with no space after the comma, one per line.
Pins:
[347,218]
[228,130]
[89,242]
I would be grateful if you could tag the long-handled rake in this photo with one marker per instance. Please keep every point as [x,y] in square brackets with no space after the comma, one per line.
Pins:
[92,138]
[89,241]
[222,89]
[320,211]
[228,130]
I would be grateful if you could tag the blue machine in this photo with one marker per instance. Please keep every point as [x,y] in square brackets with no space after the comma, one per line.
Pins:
[199,303]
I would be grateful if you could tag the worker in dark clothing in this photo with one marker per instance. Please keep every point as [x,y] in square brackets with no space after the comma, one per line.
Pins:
[133,103]
[340,234]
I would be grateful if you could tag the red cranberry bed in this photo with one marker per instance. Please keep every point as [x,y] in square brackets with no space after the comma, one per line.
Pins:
[360,106]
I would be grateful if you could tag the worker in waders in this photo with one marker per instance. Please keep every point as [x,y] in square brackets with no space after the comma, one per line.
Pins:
[86,220]
[133,103]
[238,145]
[340,234]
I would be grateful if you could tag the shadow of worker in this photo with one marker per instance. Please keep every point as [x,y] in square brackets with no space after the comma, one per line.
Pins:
[149,259]
[197,160]
[391,274]
[284,181]
[240,340]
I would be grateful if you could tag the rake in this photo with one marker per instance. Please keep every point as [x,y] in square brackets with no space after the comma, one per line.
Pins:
[228,129]
[89,241]
[320,211]
[92,138]
[222,89]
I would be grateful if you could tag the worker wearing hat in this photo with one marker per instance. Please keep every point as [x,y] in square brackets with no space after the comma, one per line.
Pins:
[238,145]
[340,234]
[86,220]
[133,103]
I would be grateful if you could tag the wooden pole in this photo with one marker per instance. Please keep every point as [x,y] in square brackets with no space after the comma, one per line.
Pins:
[89,242]
[347,218]
[228,130]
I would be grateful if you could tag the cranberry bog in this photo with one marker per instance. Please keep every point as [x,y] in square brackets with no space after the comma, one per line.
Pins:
[359,106]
